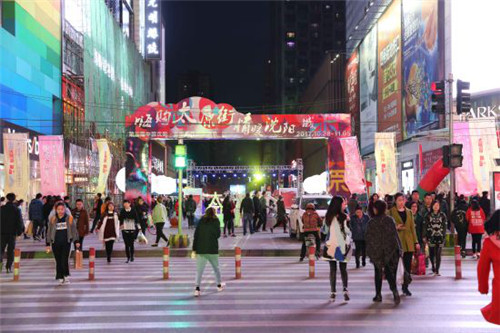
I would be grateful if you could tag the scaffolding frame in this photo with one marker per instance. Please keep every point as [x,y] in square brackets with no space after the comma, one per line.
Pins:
[297,166]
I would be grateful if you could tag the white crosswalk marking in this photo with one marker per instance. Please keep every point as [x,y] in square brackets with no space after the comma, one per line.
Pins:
[275,295]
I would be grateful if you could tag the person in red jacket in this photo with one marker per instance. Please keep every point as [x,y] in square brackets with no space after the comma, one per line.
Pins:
[490,256]
[475,217]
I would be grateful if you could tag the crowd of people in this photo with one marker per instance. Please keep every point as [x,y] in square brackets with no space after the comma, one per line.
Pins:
[390,232]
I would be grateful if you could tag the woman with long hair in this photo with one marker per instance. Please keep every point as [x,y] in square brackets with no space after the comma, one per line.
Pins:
[61,233]
[206,248]
[475,217]
[405,225]
[383,246]
[373,198]
[108,228]
[338,244]
[435,234]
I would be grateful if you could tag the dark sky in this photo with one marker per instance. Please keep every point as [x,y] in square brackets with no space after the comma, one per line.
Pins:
[230,40]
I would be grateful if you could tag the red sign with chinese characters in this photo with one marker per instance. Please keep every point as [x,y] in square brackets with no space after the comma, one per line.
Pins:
[201,118]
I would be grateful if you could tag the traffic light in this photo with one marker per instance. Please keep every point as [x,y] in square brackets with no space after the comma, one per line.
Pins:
[180,160]
[452,156]
[438,97]
[463,97]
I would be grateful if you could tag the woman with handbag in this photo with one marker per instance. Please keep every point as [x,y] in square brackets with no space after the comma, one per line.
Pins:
[108,228]
[129,224]
[61,233]
[435,234]
[405,225]
[338,244]
[383,247]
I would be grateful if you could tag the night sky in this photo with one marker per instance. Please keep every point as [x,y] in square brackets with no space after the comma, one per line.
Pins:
[229,40]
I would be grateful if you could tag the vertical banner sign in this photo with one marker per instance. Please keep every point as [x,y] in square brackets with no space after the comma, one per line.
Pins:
[420,63]
[351,78]
[354,175]
[385,158]
[368,91]
[152,30]
[389,70]
[484,151]
[336,169]
[51,149]
[16,164]
[496,190]
[105,161]
[466,183]
[137,170]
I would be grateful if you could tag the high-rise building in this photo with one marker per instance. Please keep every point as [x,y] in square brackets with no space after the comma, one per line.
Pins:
[194,83]
[302,31]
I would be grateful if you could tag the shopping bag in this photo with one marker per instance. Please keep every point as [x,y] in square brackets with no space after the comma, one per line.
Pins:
[29,229]
[141,238]
[421,264]
[78,259]
[414,265]
[400,274]
[427,250]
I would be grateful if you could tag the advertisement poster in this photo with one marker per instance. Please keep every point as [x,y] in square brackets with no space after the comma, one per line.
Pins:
[352,82]
[368,91]
[51,149]
[336,169]
[496,190]
[385,158]
[201,118]
[389,71]
[429,158]
[484,151]
[16,164]
[421,64]
[354,175]
[464,177]
[105,160]
[137,170]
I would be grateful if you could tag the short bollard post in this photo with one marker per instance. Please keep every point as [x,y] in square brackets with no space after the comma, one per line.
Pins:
[458,263]
[312,251]
[237,262]
[17,261]
[166,260]
[91,263]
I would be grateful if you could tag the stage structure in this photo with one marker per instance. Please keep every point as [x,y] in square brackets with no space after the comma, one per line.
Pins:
[296,167]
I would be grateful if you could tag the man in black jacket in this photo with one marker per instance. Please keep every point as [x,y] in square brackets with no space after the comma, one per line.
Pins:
[247,210]
[11,226]
[256,210]
[485,204]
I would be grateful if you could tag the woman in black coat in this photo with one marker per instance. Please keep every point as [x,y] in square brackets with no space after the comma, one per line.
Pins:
[383,247]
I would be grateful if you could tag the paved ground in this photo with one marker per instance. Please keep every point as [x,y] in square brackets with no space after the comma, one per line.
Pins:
[272,244]
[273,296]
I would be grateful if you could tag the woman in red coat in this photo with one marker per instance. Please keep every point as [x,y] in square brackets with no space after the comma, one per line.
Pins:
[475,217]
[491,256]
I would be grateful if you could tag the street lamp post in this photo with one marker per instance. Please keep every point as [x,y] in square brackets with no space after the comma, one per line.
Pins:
[180,164]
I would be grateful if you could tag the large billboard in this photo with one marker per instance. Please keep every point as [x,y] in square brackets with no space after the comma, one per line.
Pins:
[117,79]
[352,83]
[201,118]
[421,63]
[368,91]
[30,65]
[389,71]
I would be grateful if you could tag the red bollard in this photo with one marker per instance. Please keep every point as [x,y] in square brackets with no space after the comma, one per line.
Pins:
[17,261]
[458,263]
[166,260]
[312,252]
[91,263]
[237,262]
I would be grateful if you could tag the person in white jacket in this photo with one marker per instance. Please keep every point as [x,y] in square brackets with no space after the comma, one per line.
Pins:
[109,228]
